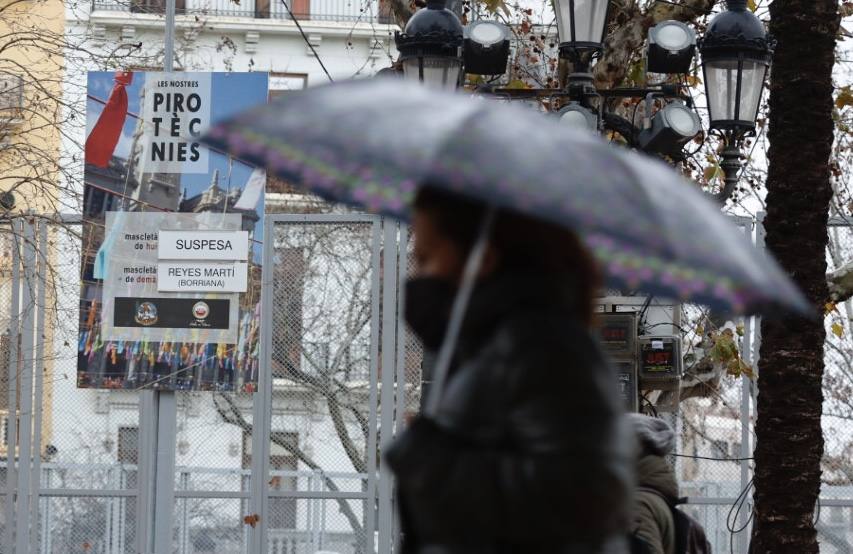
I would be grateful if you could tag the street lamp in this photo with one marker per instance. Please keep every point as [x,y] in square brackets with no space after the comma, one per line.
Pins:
[672,127]
[736,53]
[486,48]
[581,25]
[577,116]
[431,46]
[672,45]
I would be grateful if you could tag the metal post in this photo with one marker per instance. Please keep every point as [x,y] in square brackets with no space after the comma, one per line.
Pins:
[28,300]
[262,402]
[164,488]
[15,370]
[41,254]
[164,404]
[745,434]
[402,273]
[148,411]
[402,377]
[375,291]
[389,321]
[169,38]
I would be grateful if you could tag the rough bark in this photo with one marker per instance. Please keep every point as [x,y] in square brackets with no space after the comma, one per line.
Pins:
[789,437]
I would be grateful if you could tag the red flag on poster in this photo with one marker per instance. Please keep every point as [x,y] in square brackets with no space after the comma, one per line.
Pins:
[103,139]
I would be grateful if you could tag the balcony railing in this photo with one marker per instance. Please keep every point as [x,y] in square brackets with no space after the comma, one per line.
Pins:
[368,11]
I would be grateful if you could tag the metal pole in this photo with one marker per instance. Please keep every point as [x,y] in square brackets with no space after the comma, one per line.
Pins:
[389,320]
[375,291]
[164,401]
[169,38]
[164,489]
[402,272]
[745,438]
[41,253]
[262,402]
[146,471]
[15,370]
[22,522]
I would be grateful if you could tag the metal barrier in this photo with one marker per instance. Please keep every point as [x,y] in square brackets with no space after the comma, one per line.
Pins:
[294,467]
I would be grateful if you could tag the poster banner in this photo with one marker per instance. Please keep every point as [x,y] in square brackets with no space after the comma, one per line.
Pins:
[172,234]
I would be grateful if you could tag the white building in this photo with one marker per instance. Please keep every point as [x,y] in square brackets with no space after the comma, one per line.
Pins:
[95,435]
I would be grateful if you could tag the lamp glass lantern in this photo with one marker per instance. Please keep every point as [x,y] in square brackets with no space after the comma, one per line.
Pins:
[577,116]
[431,47]
[581,24]
[436,71]
[736,55]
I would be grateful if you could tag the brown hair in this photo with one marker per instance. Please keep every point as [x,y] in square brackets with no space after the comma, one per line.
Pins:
[523,242]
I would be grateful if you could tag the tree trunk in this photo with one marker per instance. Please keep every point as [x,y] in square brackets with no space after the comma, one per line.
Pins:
[789,436]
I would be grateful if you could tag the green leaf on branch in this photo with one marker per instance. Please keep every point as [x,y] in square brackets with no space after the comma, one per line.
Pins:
[738,367]
[494,5]
[712,172]
[751,5]
[844,98]
[838,330]
[724,349]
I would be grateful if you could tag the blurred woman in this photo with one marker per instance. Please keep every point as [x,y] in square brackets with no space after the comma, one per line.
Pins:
[527,452]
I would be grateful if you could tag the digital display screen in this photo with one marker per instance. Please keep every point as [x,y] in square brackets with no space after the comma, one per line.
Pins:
[616,333]
[658,360]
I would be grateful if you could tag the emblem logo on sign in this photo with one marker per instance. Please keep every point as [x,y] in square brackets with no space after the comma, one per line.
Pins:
[201,310]
[146,314]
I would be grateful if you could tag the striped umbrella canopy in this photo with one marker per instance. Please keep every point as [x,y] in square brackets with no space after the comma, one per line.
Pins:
[372,143]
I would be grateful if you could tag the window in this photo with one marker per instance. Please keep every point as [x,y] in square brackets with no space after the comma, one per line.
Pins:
[719,449]
[386,15]
[155,6]
[11,94]
[287,320]
[128,445]
[282,83]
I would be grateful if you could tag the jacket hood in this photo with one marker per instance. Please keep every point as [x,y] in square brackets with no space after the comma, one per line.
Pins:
[655,435]
[653,472]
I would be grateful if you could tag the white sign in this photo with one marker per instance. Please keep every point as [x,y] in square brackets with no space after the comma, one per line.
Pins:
[203,245]
[176,112]
[202,276]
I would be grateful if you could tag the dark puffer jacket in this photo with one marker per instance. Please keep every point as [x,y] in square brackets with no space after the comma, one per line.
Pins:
[527,453]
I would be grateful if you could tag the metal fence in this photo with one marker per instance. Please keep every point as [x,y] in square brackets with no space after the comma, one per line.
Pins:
[364,11]
[296,466]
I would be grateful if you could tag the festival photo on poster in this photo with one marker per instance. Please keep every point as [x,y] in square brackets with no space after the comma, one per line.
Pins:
[172,234]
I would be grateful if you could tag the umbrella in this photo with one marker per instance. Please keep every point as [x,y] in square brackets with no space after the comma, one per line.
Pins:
[371,143]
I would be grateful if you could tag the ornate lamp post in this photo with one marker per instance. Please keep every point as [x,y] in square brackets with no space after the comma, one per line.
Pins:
[736,53]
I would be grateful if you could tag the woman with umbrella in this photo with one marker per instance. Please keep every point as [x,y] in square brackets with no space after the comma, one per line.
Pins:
[519,449]
[524,452]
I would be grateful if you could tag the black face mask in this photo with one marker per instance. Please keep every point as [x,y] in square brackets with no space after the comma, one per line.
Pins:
[427,310]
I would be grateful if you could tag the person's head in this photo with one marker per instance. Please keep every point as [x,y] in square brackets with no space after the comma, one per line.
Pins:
[446,227]
[655,436]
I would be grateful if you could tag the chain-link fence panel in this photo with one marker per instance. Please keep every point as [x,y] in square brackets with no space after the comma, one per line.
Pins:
[835,528]
[88,438]
[83,524]
[838,379]
[417,362]
[316,526]
[208,525]
[323,417]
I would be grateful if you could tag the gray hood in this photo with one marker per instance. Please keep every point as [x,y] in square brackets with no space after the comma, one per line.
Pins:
[655,435]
